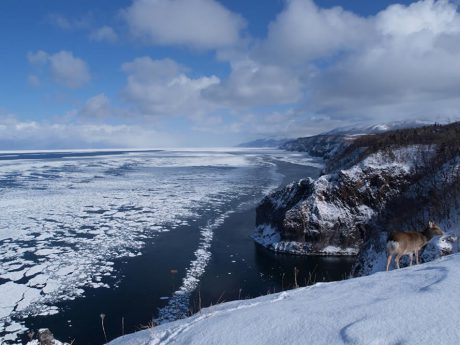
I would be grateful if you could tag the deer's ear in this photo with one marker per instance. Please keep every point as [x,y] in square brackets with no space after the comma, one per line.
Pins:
[430,224]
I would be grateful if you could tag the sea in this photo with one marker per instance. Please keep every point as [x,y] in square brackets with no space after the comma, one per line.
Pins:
[99,243]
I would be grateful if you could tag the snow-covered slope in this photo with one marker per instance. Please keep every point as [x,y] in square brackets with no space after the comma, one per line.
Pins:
[322,146]
[417,305]
[329,144]
[358,129]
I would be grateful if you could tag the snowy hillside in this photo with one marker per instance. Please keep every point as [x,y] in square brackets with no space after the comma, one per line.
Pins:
[328,144]
[379,127]
[417,305]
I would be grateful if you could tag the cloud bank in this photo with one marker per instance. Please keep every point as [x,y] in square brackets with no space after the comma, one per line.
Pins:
[32,135]
[315,69]
[323,64]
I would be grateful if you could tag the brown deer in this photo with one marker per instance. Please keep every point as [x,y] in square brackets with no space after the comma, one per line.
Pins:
[410,243]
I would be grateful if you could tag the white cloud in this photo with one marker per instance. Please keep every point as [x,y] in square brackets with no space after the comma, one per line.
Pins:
[161,87]
[436,17]
[304,31]
[253,84]
[65,68]
[338,68]
[66,23]
[278,69]
[329,66]
[104,33]
[410,69]
[202,24]
[97,107]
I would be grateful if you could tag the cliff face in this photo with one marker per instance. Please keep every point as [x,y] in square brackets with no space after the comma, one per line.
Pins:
[331,214]
[372,185]
[324,146]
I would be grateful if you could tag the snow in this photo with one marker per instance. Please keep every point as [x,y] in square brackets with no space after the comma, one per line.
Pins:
[294,247]
[417,305]
[300,159]
[360,129]
[333,250]
[402,160]
[266,235]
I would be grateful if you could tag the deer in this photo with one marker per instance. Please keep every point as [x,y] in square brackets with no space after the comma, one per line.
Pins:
[410,243]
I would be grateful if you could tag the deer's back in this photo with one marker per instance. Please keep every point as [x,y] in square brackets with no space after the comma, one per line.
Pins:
[408,242]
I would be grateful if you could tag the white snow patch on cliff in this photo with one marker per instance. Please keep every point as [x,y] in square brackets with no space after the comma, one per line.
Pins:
[300,158]
[266,235]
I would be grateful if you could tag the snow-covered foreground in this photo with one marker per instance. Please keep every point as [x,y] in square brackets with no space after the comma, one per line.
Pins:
[416,305]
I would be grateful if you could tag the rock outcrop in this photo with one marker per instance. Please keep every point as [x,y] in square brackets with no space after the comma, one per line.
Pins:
[371,185]
[324,146]
[44,337]
[331,215]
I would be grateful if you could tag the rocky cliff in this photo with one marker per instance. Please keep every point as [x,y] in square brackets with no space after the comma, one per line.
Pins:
[372,184]
[329,144]
[325,145]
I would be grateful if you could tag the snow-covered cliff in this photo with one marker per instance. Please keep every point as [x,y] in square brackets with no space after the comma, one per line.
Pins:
[329,144]
[324,146]
[331,214]
[373,184]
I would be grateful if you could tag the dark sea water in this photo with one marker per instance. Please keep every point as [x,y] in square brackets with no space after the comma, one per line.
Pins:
[139,236]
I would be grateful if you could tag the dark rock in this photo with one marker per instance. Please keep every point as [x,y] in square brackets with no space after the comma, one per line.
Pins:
[45,337]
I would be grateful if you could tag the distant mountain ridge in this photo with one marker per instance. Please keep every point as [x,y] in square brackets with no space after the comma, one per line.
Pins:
[379,127]
[332,136]
[329,143]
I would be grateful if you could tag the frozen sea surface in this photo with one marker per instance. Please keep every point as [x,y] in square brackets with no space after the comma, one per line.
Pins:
[67,216]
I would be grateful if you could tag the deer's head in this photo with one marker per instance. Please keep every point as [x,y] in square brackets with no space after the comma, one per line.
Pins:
[434,230]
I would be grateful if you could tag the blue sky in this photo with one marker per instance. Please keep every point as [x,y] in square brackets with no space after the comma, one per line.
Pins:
[159,73]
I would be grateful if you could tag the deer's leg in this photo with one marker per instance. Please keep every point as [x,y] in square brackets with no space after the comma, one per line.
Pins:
[410,259]
[416,257]
[397,260]
[389,261]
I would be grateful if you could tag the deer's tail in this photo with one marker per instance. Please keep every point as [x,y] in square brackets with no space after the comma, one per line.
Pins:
[392,246]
